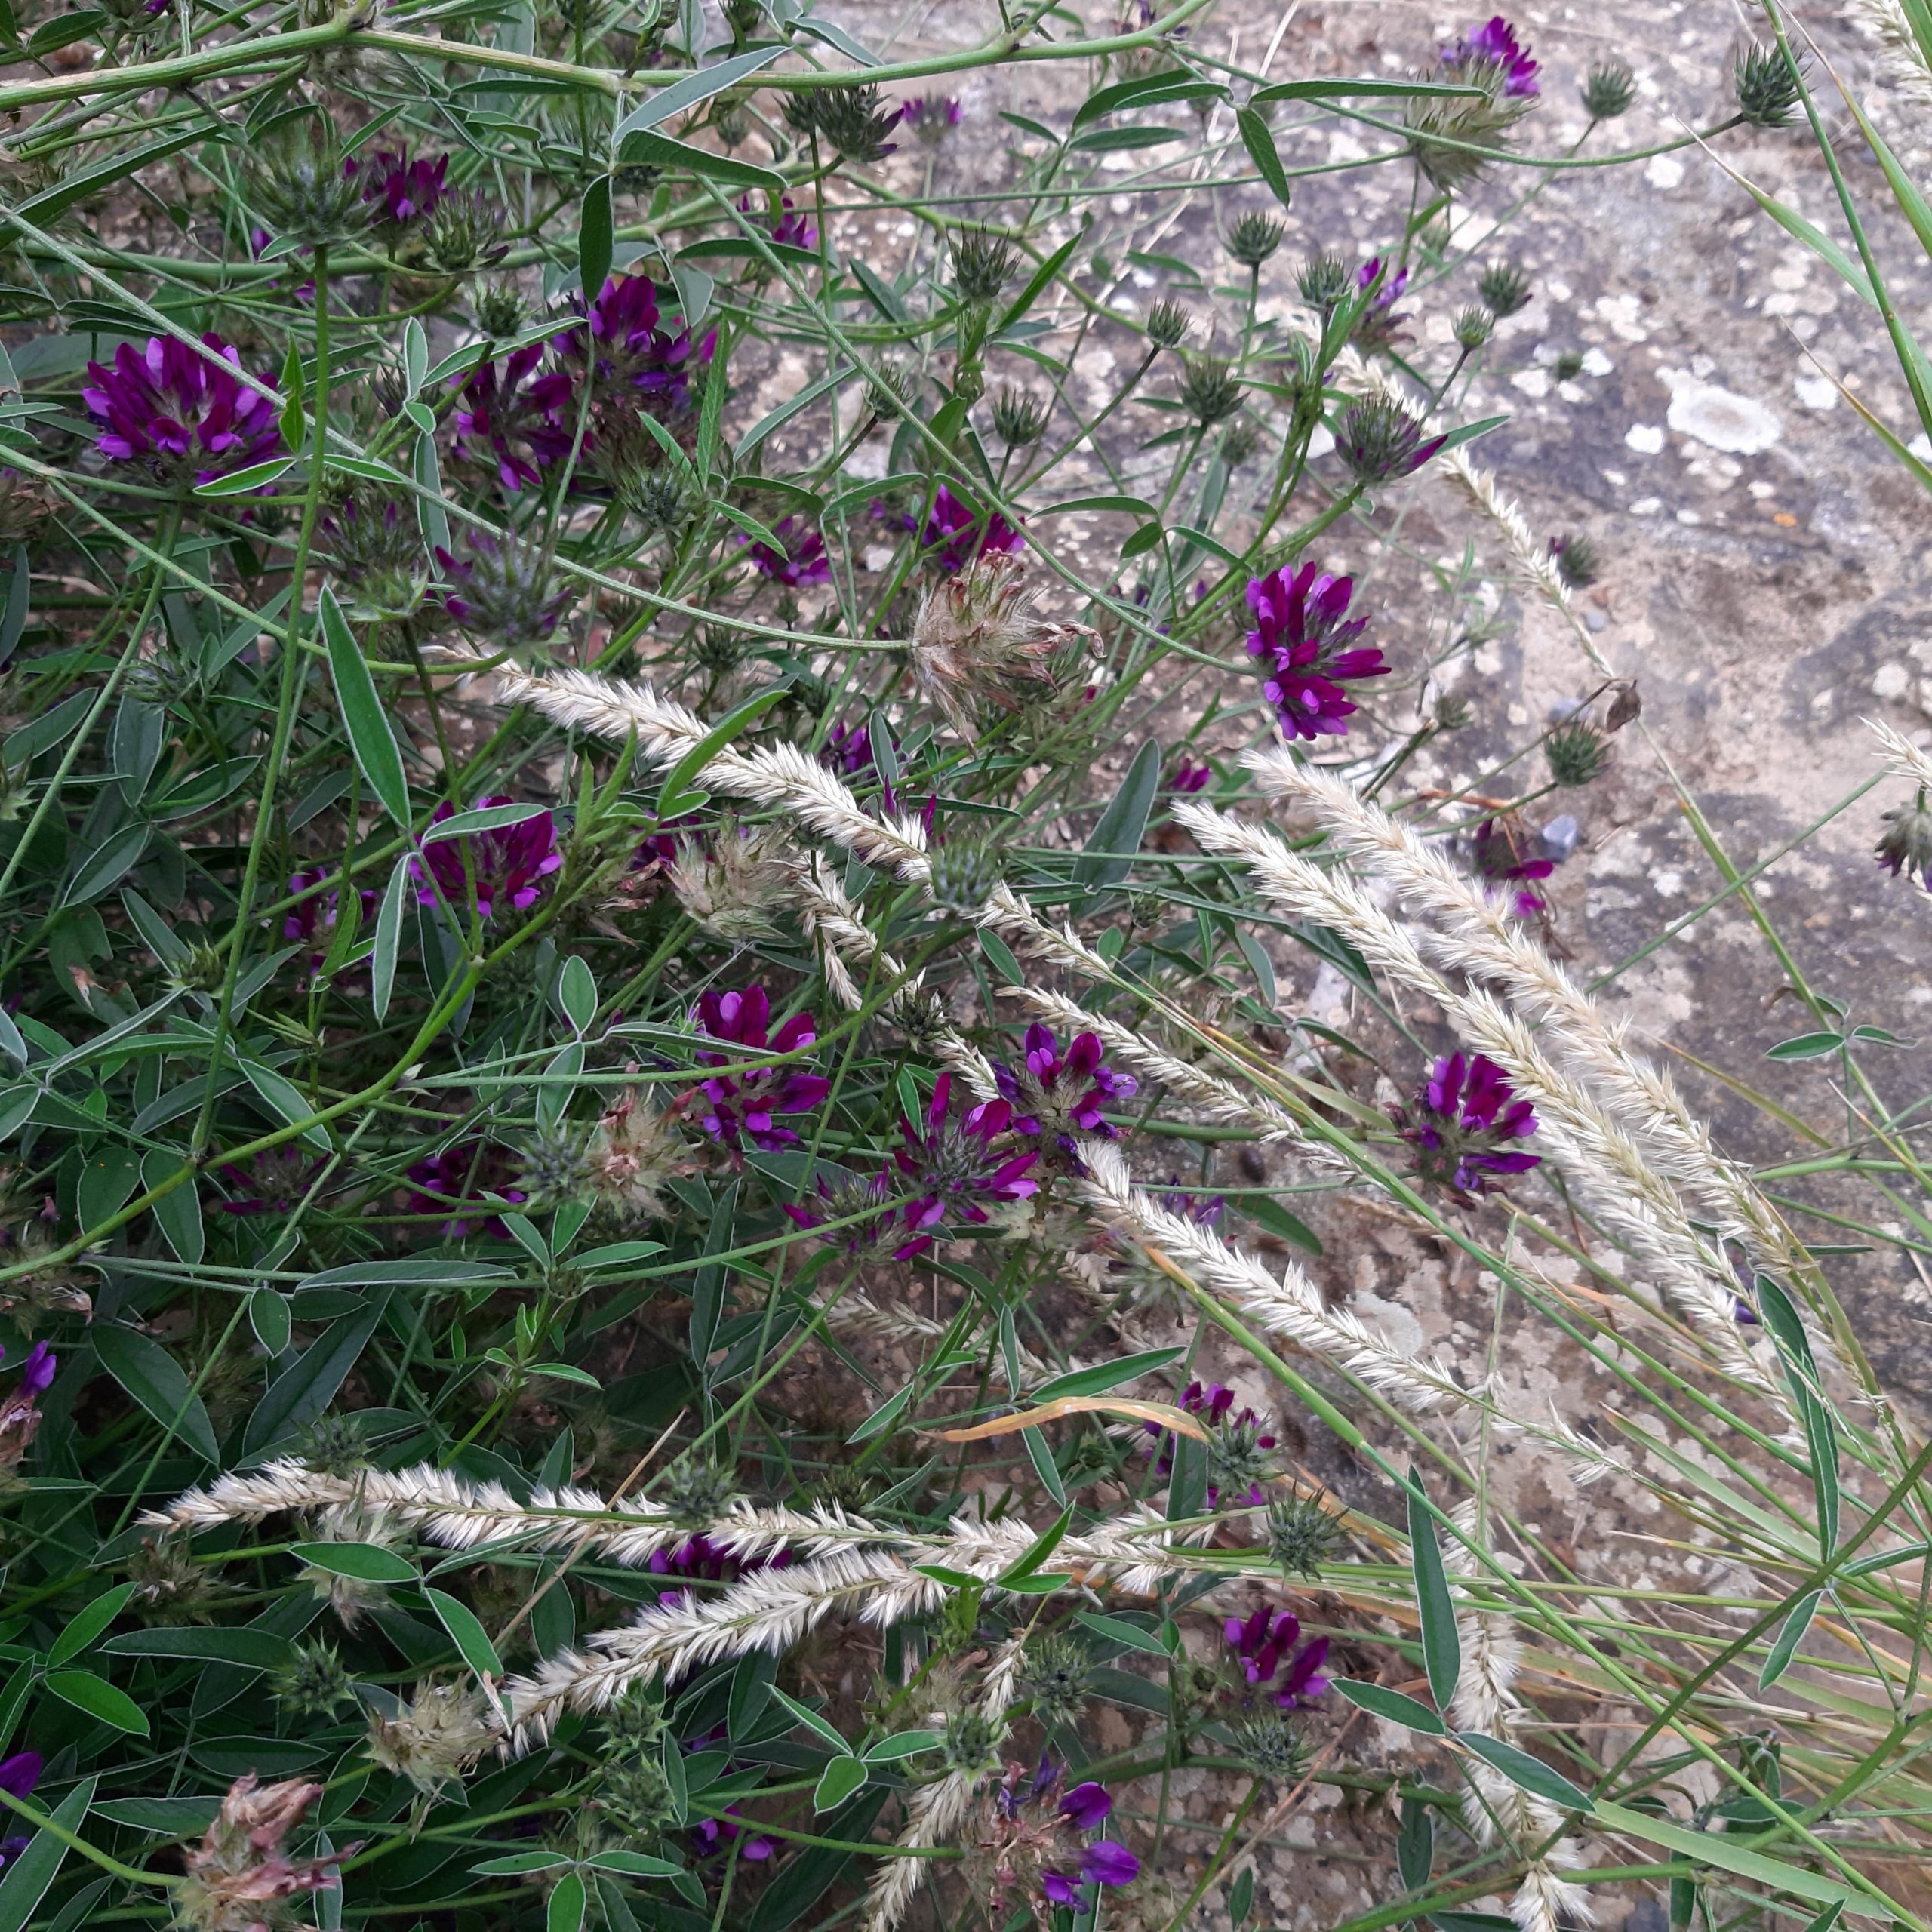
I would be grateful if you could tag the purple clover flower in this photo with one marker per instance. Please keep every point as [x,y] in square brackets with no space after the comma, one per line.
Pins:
[1301,630]
[1055,1095]
[950,1167]
[1493,45]
[19,1774]
[1188,776]
[950,529]
[931,117]
[742,1105]
[712,1835]
[403,190]
[792,229]
[517,420]
[510,863]
[881,1231]
[37,1374]
[1266,1640]
[802,559]
[1496,857]
[311,921]
[628,349]
[1104,1861]
[1466,1115]
[458,1174]
[179,414]
[1378,325]
[1086,1806]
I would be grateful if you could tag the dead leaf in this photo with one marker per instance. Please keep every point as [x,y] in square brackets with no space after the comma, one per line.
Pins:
[1163,1413]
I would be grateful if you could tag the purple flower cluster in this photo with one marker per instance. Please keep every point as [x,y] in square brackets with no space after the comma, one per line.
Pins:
[951,528]
[1266,1640]
[311,921]
[1497,858]
[1085,1808]
[1493,47]
[1212,1402]
[792,230]
[518,420]
[629,349]
[740,1107]
[1378,325]
[1056,1095]
[949,1166]
[800,559]
[711,1835]
[401,190]
[1301,632]
[1466,1115]
[459,1174]
[19,1774]
[506,866]
[522,419]
[37,1374]
[931,117]
[179,414]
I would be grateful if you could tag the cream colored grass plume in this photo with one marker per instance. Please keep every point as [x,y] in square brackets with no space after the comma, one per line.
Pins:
[1289,1306]
[1608,1170]
[781,777]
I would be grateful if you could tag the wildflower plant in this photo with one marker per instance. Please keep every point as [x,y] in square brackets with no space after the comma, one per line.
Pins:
[682,1242]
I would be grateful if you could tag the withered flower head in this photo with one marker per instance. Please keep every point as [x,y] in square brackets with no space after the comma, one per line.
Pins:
[977,633]
[239,1879]
[435,1737]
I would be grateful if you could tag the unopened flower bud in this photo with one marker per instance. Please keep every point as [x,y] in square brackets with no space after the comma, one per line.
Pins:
[1609,90]
[1767,88]
[1472,327]
[1253,240]
[1577,754]
[1168,325]
[1503,289]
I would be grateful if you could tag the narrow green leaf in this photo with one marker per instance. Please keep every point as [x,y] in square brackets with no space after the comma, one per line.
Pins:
[246,482]
[690,90]
[29,1873]
[1531,1774]
[154,1379]
[838,1782]
[810,1720]
[1379,1701]
[1043,1545]
[262,1649]
[643,149]
[388,939]
[594,239]
[567,1904]
[363,716]
[98,1699]
[516,1864]
[1004,963]
[466,1632]
[86,1625]
[1103,1375]
[670,797]
[1442,1648]
[1806,1046]
[1108,857]
[362,1562]
[178,1213]
[1791,1633]
[1117,1630]
[1258,140]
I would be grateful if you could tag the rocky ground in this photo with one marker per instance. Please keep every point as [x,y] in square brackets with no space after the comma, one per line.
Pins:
[1764,585]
